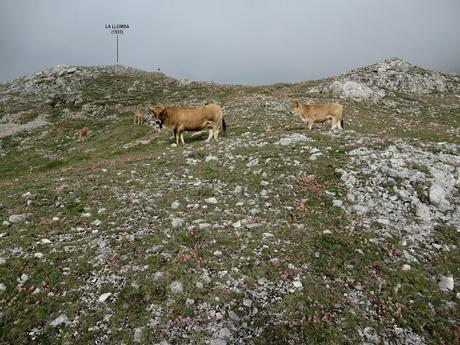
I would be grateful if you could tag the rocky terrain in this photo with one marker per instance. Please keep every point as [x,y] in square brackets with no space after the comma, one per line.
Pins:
[272,235]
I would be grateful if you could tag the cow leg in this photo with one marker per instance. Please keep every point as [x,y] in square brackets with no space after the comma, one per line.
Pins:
[176,136]
[182,138]
[216,131]
[210,135]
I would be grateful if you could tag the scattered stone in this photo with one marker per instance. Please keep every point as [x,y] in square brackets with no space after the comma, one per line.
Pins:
[293,139]
[405,267]
[327,232]
[2,260]
[224,333]
[177,222]
[210,158]
[59,320]
[45,241]
[137,335]
[297,284]
[24,278]
[233,316]
[446,283]
[2,287]
[337,203]
[190,301]
[247,302]
[176,287]
[96,222]
[218,341]
[217,253]
[38,255]
[17,218]
[175,205]
[102,298]
[211,200]
[6,223]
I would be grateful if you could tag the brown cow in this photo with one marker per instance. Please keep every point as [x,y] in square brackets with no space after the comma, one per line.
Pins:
[190,119]
[318,113]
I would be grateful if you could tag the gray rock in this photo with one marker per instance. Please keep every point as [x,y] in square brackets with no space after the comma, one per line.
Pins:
[2,287]
[233,316]
[211,200]
[218,341]
[176,287]
[438,197]
[59,320]
[177,222]
[137,335]
[224,333]
[446,283]
[293,139]
[102,298]
[337,203]
[17,218]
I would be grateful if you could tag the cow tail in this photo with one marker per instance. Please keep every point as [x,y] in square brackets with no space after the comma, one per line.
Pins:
[341,123]
[224,125]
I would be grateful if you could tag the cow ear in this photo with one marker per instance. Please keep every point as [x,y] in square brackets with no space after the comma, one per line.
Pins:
[296,104]
[163,114]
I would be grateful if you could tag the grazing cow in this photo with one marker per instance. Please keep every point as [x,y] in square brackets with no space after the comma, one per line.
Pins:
[190,119]
[138,117]
[84,133]
[318,113]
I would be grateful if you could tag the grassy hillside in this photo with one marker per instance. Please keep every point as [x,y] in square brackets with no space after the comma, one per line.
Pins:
[252,239]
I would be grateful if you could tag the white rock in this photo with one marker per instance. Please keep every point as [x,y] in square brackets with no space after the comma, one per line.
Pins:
[293,139]
[297,284]
[102,298]
[177,222]
[199,285]
[253,162]
[38,255]
[96,222]
[446,283]
[438,197]
[218,341]
[238,190]
[224,333]
[327,232]
[16,218]
[423,212]
[101,210]
[24,278]
[175,205]
[137,335]
[247,302]
[59,320]
[6,223]
[217,253]
[2,260]
[337,203]
[210,158]
[55,219]
[233,316]
[2,287]
[405,267]
[176,287]
[211,200]
[86,215]
[190,301]
[45,241]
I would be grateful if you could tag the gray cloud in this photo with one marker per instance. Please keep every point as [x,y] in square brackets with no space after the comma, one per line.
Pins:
[250,42]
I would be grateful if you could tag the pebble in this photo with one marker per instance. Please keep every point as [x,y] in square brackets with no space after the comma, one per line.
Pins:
[217,253]
[6,223]
[2,287]
[137,335]
[16,218]
[59,320]
[233,316]
[102,298]
[247,302]
[45,241]
[2,260]
[297,284]
[176,287]
[176,222]
[175,205]
[327,232]
[224,333]
[405,267]
[55,219]
[337,203]
[211,200]
[96,222]
[446,283]
[218,341]
[190,301]
[38,255]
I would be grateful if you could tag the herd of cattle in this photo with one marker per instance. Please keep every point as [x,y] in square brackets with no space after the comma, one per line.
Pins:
[210,116]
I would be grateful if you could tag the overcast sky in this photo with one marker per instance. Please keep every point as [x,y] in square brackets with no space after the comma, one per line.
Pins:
[231,41]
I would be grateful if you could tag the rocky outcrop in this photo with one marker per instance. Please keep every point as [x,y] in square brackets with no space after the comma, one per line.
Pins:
[393,75]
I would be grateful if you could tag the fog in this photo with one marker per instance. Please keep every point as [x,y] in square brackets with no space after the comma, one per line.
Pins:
[238,42]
